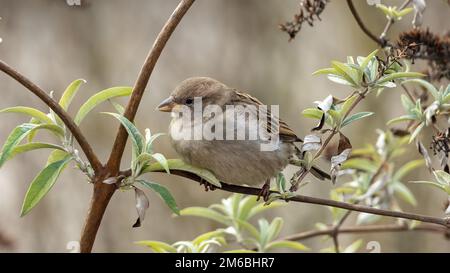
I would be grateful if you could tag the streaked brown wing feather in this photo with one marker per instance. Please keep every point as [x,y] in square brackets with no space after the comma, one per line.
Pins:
[286,133]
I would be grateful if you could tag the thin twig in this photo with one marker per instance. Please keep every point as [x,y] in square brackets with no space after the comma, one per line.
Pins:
[317,201]
[68,121]
[336,230]
[103,192]
[362,25]
[368,229]
[337,227]
[335,241]
[410,95]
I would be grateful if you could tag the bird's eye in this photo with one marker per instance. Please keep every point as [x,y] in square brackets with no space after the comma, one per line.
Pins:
[189,101]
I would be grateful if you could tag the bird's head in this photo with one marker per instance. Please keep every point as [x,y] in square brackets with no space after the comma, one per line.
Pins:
[210,91]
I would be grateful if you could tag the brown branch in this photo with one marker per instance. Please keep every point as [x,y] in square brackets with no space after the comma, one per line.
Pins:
[368,229]
[103,192]
[317,201]
[362,25]
[68,121]
[144,76]
[410,95]
[336,230]
[337,227]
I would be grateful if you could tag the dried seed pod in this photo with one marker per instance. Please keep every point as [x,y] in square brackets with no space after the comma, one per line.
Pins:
[310,11]
[425,45]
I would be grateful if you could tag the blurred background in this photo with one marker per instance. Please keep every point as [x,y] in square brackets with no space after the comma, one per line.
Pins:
[235,41]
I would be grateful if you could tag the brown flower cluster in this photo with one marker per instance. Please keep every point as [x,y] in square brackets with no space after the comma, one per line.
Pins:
[440,146]
[310,10]
[425,45]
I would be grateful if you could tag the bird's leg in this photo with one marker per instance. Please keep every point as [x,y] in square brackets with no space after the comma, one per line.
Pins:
[265,191]
[208,186]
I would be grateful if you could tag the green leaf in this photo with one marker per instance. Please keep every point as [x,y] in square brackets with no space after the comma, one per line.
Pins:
[144,158]
[287,244]
[442,187]
[240,251]
[274,228]
[399,75]
[261,207]
[19,149]
[442,177]
[150,140]
[249,227]
[313,113]
[372,72]
[133,132]
[178,164]
[31,136]
[339,80]
[205,213]
[234,202]
[366,61]
[401,119]
[404,193]
[69,93]
[119,108]
[326,71]
[347,105]
[156,246]
[350,60]
[356,117]
[359,164]
[428,86]
[263,228]
[416,132]
[353,247]
[207,236]
[281,182]
[336,117]
[14,138]
[164,193]
[385,10]
[245,207]
[205,246]
[349,74]
[42,184]
[404,12]
[100,97]
[408,167]
[56,155]
[38,115]
[57,130]
[161,159]
[366,218]
[407,103]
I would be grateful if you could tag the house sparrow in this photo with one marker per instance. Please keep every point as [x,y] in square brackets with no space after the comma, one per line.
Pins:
[231,161]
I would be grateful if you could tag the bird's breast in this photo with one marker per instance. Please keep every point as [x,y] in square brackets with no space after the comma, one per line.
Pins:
[232,161]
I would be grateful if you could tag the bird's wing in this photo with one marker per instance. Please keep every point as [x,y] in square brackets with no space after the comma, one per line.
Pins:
[285,132]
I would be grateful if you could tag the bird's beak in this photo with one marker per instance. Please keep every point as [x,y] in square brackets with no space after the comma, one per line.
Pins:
[166,105]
